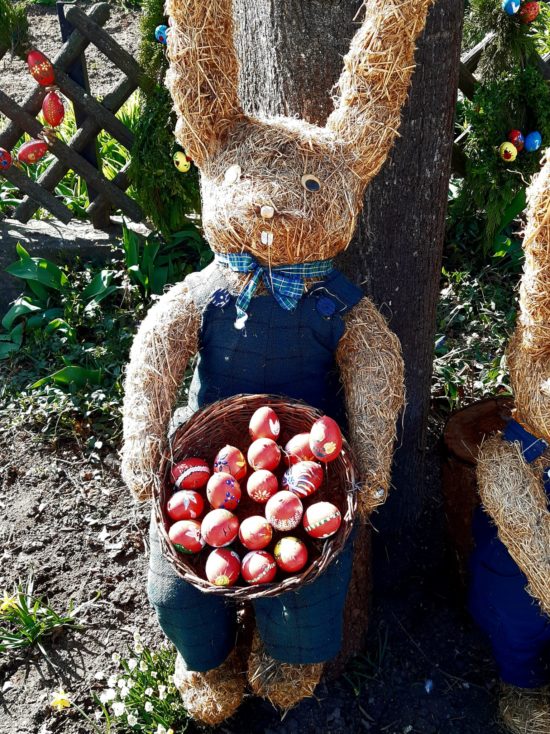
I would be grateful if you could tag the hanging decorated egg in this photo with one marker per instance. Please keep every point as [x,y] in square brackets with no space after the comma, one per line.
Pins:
[284,511]
[510,7]
[322,519]
[32,151]
[41,68]
[223,491]
[230,460]
[264,424]
[304,478]
[517,139]
[160,34]
[533,141]
[190,473]
[263,453]
[508,152]
[223,567]
[5,159]
[262,485]
[297,449]
[290,554]
[528,12]
[219,528]
[53,109]
[185,505]
[325,439]
[258,567]
[181,162]
[186,536]
[255,532]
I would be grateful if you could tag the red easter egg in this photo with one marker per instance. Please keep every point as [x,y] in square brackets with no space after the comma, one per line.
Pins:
[325,439]
[258,567]
[284,511]
[290,554]
[5,159]
[517,139]
[41,68]
[322,519]
[304,478]
[264,424]
[186,536]
[219,528]
[528,12]
[230,460]
[32,151]
[255,532]
[53,109]
[190,473]
[262,485]
[223,567]
[297,449]
[185,505]
[264,453]
[223,491]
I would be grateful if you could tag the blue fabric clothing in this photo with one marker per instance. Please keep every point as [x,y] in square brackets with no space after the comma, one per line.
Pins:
[518,630]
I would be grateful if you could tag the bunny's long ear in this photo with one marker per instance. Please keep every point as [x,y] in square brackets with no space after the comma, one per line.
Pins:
[375,81]
[203,73]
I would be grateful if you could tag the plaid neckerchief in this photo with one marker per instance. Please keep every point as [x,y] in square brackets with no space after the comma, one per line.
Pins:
[285,282]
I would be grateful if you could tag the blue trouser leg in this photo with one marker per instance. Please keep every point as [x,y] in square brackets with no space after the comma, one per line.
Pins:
[201,626]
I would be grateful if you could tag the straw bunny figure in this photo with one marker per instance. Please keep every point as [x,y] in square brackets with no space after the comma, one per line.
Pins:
[510,572]
[271,314]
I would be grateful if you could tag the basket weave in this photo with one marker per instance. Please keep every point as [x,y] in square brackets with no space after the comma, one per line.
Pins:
[226,422]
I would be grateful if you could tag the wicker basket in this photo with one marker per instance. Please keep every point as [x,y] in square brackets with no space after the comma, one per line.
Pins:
[226,422]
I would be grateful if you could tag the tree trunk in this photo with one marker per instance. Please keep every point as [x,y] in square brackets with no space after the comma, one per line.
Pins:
[291,56]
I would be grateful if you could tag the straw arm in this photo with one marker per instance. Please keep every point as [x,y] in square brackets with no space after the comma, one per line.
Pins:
[371,371]
[203,74]
[513,495]
[166,340]
[375,81]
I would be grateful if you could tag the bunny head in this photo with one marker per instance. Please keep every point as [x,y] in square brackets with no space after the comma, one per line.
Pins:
[280,188]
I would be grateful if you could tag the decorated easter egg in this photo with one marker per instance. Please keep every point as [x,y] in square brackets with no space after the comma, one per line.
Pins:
[230,460]
[517,139]
[190,473]
[185,505]
[5,159]
[264,424]
[186,536]
[304,478]
[262,485]
[32,151]
[219,527]
[160,33]
[223,567]
[325,439]
[255,532]
[258,567]
[290,554]
[223,491]
[508,152]
[53,109]
[263,453]
[41,68]
[284,511]
[510,7]
[181,161]
[297,449]
[322,519]
[528,12]
[533,141]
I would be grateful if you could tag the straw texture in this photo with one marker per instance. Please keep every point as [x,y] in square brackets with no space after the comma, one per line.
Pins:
[525,711]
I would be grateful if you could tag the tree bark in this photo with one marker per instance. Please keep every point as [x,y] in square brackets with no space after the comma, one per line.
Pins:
[291,56]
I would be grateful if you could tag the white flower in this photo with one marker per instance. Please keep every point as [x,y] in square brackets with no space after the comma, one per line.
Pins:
[100,675]
[124,692]
[154,674]
[142,666]
[115,657]
[111,681]
[148,691]
[138,648]
[162,692]
[137,636]
[107,695]
[98,714]
[148,707]
[118,708]
[130,683]
[121,683]
[161,729]
[132,664]
[132,720]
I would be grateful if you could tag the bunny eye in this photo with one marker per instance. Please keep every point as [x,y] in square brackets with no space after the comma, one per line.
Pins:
[233,174]
[310,182]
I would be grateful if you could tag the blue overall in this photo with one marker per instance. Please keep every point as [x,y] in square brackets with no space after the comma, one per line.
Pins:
[289,353]
[518,630]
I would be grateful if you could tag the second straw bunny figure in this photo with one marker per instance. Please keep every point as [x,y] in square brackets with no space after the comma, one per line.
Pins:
[271,314]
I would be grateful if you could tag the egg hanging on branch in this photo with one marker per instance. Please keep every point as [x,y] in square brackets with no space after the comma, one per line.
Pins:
[161,34]
[516,138]
[181,162]
[53,109]
[5,159]
[41,68]
[510,7]
[529,12]
[508,152]
[533,141]
[32,151]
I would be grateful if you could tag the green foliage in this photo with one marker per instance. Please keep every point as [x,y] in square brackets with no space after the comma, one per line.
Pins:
[152,57]
[14,27]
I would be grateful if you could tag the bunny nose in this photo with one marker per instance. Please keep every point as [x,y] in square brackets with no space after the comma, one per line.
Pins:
[267,212]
